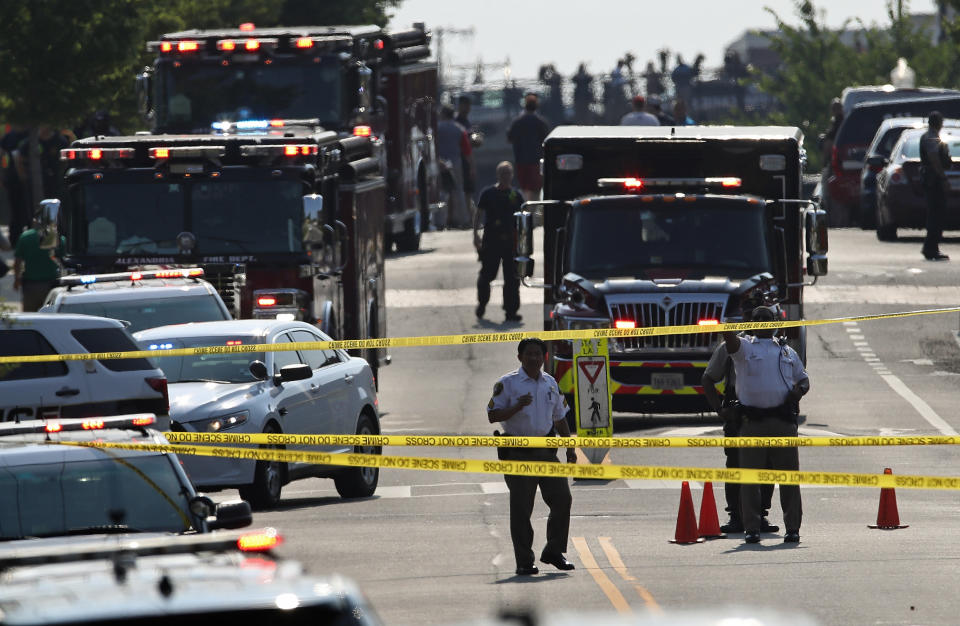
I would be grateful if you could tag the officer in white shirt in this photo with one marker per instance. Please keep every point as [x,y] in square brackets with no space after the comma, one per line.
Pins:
[528,403]
[770,382]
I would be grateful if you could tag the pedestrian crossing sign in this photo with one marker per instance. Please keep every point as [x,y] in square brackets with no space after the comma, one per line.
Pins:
[592,399]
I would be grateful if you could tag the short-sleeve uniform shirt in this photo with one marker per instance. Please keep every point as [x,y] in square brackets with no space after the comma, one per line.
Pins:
[766,371]
[537,418]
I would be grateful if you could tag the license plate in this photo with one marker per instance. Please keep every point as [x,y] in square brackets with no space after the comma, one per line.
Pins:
[666,381]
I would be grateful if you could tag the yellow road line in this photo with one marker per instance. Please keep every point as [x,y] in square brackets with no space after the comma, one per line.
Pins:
[614,557]
[600,577]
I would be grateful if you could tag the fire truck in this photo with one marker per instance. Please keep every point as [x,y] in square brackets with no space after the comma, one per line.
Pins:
[285,220]
[357,80]
[658,226]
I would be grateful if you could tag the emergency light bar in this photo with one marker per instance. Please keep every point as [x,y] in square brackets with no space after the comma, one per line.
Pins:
[635,184]
[119,422]
[187,152]
[227,126]
[261,540]
[240,44]
[89,279]
[96,154]
[289,150]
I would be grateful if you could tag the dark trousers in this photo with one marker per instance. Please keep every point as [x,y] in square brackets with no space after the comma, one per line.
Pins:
[936,207]
[770,458]
[492,256]
[731,428]
[34,292]
[523,491]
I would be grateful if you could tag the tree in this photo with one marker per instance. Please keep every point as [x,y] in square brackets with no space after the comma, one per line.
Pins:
[62,59]
[323,12]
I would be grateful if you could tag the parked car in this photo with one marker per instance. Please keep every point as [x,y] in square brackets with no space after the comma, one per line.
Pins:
[51,490]
[304,392]
[854,136]
[852,96]
[878,155]
[901,201]
[187,581]
[143,299]
[75,388]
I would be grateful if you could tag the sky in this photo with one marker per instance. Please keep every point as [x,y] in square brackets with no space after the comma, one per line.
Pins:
[529,33]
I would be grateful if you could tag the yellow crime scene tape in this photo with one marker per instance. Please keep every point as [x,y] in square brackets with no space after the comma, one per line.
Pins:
[536,468]
[486,441]
[453,340]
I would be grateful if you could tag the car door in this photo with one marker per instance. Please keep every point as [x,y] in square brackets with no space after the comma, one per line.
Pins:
[33,390]
[333,389]
[293,401]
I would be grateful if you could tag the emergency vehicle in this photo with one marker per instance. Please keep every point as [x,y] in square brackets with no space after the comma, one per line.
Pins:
[658,226]
[356,80]
[284,218]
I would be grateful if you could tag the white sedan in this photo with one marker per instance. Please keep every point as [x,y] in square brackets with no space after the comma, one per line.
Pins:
[301,392]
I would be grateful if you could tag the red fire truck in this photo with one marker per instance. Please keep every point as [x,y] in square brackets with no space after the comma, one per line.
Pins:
[356,80]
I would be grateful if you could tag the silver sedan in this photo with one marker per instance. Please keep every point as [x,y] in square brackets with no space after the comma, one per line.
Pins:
[302,392]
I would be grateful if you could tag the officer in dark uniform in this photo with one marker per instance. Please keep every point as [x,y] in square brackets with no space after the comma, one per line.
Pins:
[770,382]
[935,160]
[528,403]
[498,203]
[720,368]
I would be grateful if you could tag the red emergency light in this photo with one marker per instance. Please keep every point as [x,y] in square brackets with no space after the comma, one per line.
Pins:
[268,539]
[266,301]
[276,123]
[624,324]
[378,44]
[251,45]
[96,154]
[53,427]
[234,342]
[362,131]
[247,26]
[633,183]
[304,42]
[227,45]
[188,45]
[92,424]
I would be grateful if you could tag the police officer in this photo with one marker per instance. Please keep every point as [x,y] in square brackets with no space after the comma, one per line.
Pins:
[528,403]
[935,158]
[770,382]
[498,203]
[718,369]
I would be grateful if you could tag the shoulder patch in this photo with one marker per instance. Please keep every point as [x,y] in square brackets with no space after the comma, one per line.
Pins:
[490,406]
[498,388]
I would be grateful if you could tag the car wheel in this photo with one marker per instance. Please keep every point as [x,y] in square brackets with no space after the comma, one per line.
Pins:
[360,482]
[264,493]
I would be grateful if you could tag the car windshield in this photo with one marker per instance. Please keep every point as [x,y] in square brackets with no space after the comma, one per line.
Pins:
[129,492]
[195,95]
[151,312]
[643,240]
[909,147]
[220,368]
[225,216]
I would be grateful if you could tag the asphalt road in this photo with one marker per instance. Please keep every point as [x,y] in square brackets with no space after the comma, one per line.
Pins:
[434,548]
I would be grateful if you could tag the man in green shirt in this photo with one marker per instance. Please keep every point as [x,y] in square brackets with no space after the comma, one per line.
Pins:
[35,269]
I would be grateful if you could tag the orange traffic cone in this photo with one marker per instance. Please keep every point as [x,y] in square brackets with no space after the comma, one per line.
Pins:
[686,519]
[887,516]
[709,522]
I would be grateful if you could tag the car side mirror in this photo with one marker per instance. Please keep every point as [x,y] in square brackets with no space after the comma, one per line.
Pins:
[313,231]
[46,223]
[233,514]
[259,370]
[290,373]
[815,225]
[877,160]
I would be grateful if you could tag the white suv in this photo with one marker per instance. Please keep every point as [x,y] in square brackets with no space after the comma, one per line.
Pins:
[75,388]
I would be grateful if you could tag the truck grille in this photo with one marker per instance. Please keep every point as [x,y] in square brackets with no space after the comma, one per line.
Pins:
[223,279]
[670,310]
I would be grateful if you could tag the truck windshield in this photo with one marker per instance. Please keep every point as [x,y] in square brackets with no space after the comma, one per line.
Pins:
[225,216]
[627,238]
[116,492]
[194,95]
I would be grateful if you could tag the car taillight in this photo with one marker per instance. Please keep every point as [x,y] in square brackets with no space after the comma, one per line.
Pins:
[160,384]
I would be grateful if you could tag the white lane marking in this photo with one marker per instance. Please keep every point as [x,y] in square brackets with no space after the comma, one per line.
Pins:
[917,403]
[500,487]
[861,344]
[918,361]
[856,336]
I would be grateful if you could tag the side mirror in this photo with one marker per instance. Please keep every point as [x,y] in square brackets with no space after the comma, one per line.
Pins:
[233,514]
[46,223]
[524,243]
[817,265]
[815,225]
[290,373]
[312,222]
[524,267]
[877,160]
[144,87]
[259,370]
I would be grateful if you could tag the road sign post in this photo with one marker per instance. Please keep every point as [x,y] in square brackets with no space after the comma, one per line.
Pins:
[591,396]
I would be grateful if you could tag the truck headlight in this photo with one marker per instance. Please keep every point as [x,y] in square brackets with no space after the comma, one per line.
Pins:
[224,422]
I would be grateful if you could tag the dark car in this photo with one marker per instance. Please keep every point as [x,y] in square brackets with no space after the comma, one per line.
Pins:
[853,138]
[901,201]
[878,155]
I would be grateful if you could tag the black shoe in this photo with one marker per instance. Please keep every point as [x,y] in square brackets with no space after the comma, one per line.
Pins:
[767,527]
[752,536]
[559,562]
[514,317]
[481,309]
[529,570]
[792,536]
[935,256]
[733,526]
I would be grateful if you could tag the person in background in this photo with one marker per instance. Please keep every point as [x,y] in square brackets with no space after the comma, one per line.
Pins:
[680,116]
[453,148]
[639,117]
[498,203]
[654,107]
[464,104]
[527,403]
[935,161]
[526,133]
[35,268]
